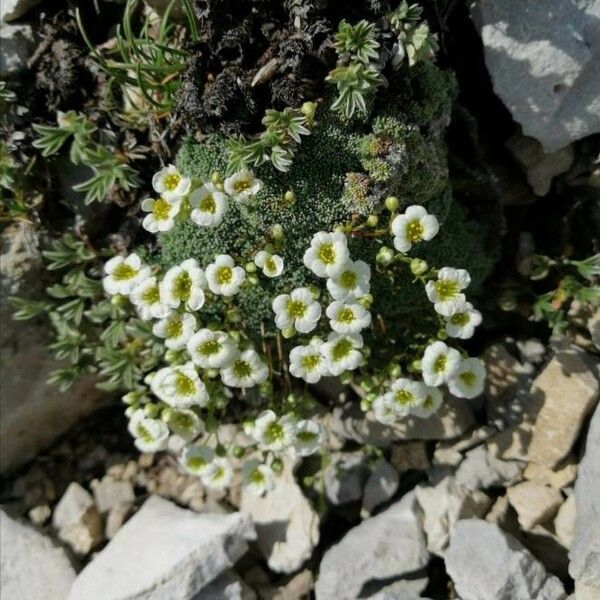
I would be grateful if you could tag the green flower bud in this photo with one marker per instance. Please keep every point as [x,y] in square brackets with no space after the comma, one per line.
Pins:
[308,110]
[151,410]
[238,451]
[394,370]
[220,450]
[372,220]
[289,197]
[277,465]
[233,315]
[250,267]
[366,301]
[418,266]
[277,232]
[173,356]
[288,333]
[385,256]
[315,291]
[347,377]
[416,365]
[442,335]
[252,279]
[215,178]
[392,203]
[212,373]
[118,300]
[266,389]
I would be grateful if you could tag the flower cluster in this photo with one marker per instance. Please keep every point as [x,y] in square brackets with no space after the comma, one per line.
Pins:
[212,364]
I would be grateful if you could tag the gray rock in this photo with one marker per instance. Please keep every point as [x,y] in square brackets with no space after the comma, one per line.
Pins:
[31,567]
[286,524]
[567,391]
[585,549]
[534,502]
[481,470]
[407,588]
[13,9]
[164,552]
[389,545]
[486,563]
[32,414]
[77,519]
[453,419]
[443,505]
[543,58]
[344,477]
[17,46]
[564,522]
[109,493]
[380,487]
[227,586]
[532,351]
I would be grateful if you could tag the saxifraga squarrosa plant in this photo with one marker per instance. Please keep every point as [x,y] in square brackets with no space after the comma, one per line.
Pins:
[342,254]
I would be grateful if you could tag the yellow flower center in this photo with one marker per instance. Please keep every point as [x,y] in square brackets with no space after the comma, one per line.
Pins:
[414,231]
[274,432]
[341,349]
[172,180]
[439,366]
[224,275]
[468,377]
[174,328]
[181,421]
[349,279]
[184,385]
[256,476]
[306,436]
[326,254]
[208,204]
[446,289]
[209,348]
[428,402]
[161,209]
[310,362]
[195,463]
[296,309]
[123,272]
[241,185]
[346,316]
[143,433]
[182,286]
[403,397]
[460,319]
[242,369]
[151,295]
[270,265]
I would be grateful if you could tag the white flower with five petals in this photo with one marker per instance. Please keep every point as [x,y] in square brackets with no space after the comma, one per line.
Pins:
[224,278]
[184,285]
[328,254]
[209,206]
[299,310]
[122,274]
[170,184]
[412,227]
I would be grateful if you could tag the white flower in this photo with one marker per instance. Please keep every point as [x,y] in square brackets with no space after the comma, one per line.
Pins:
[299,310]
[258,477]
[161,214]
[352,282]
[151,435]
[271,264]
[179,387]
[211,349]
[383,410]
[209,206]
[309,437]
[224,278]
[183,284]
[307,362]
[412,227]
[145,296]
[405,396]
[462,323]
[122,274]
[445,293]
[431,402]
[274,433]
[342,352]
[171,184]
[183,422]
[218,474]
[176,329]
[439,363]
[347,318]
[196,460]
[242,185]
[468,380]
[247,370]
[327,255]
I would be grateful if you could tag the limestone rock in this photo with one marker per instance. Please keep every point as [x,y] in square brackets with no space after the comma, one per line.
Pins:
[227,586]
[443,505]
[453,419]
[451,453]
[547,75]
[406,588]
[344,477]
[31,567]
[162,552]
[77,519]
[17,45]
[386,546]
[380,487]
[585,549]
[486,563]
[564,522]
[409,455]
[559,477]
[109,493]
[534,502]
[286,524]
[511,443]
[481,470]
[13,9]
[567,390]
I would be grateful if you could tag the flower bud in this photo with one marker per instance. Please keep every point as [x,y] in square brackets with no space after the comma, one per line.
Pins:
[238,451]
[277,465]
[308,110]
[315,291]
[252,279]
[392,203]
[233,315]
[250,267]
[372,220]
[220,450]
[347,377]
[418,266]
[277,232]
[289,197]
[151,411]
[212,373]
[366,300]
[288,332]
[385,256]
[394,370]
[215,178]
